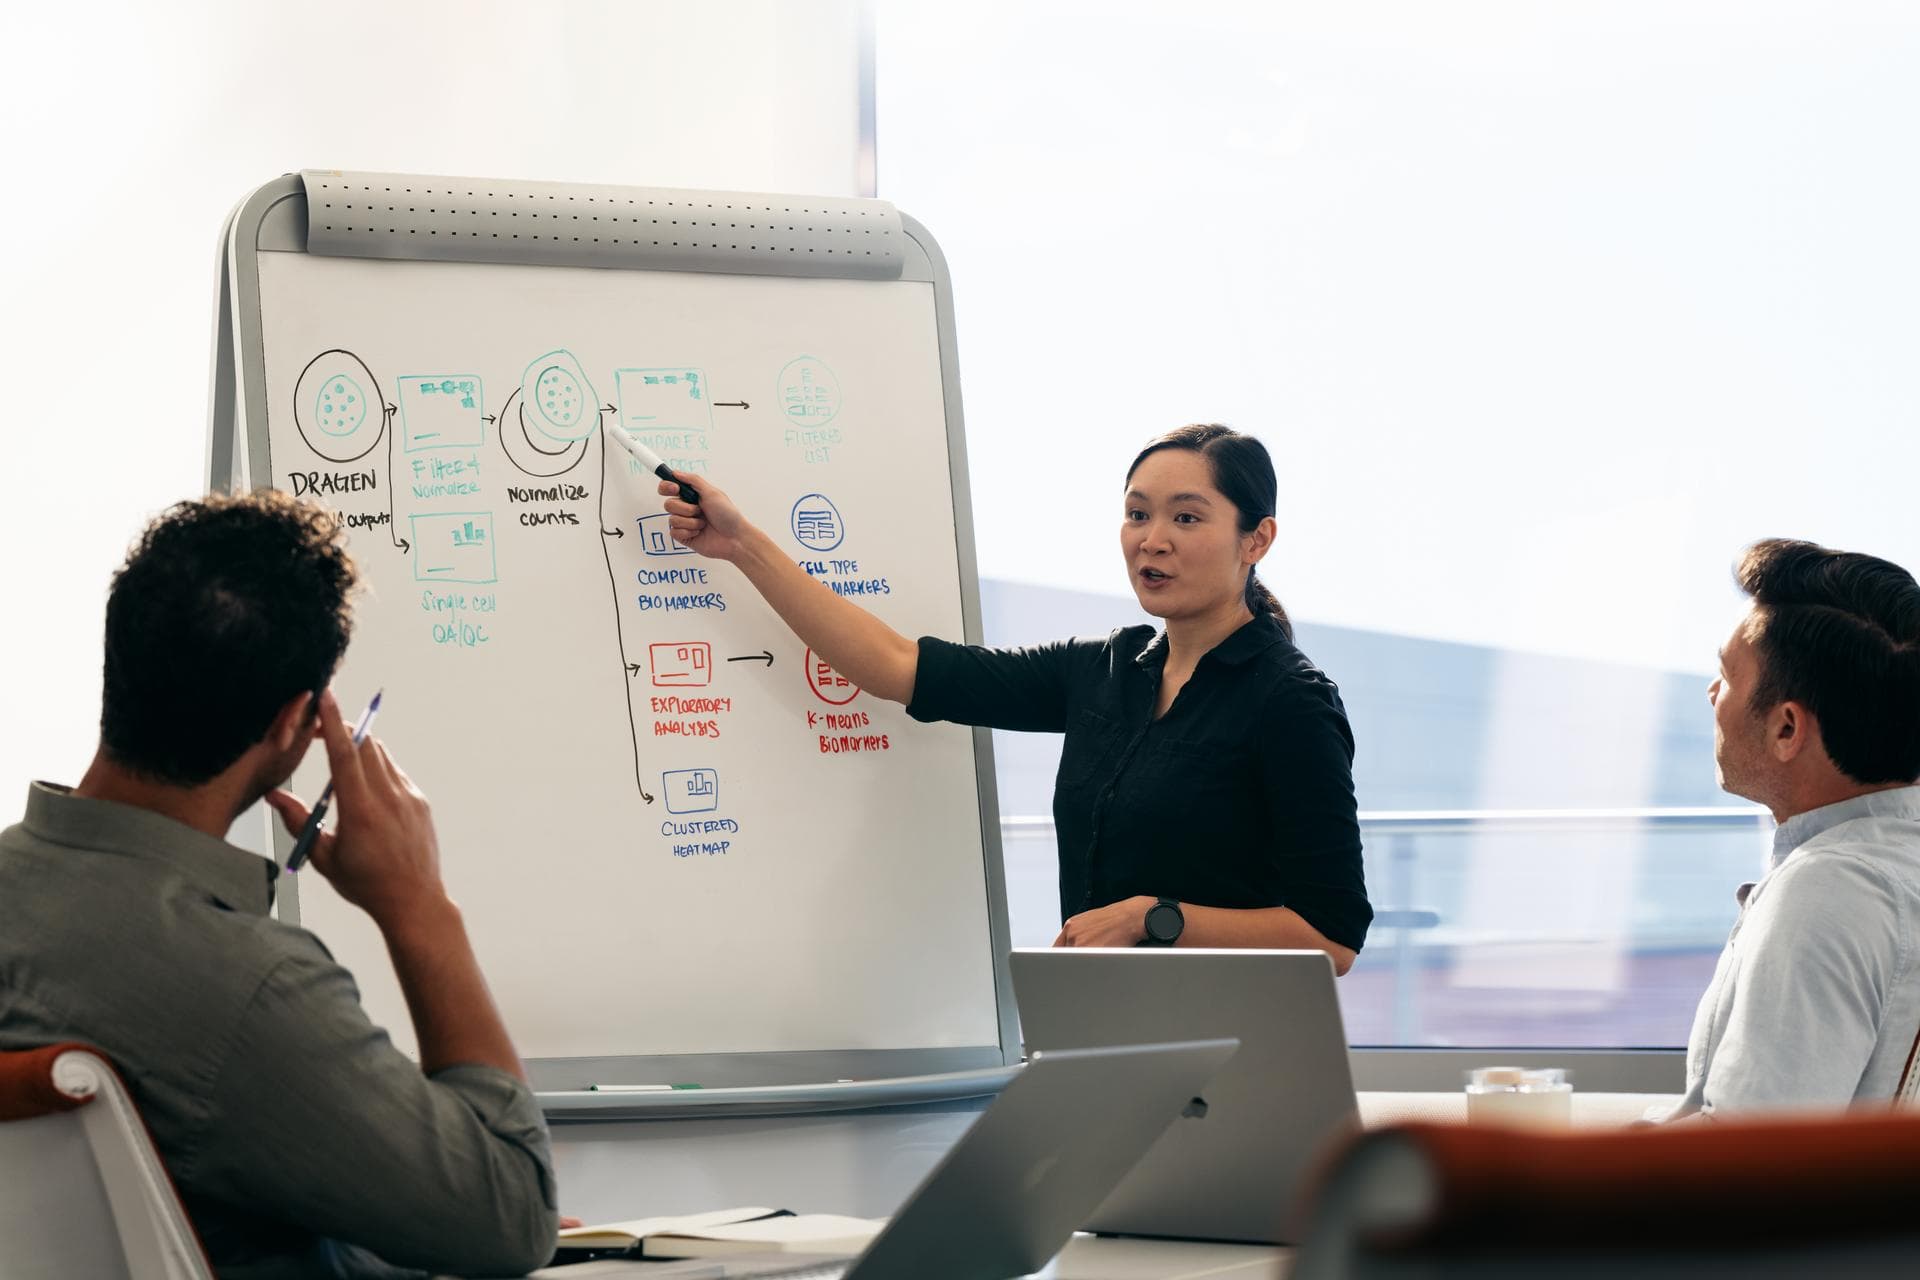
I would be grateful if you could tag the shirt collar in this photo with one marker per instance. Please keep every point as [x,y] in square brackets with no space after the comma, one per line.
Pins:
[1250,638]
[238,879]
[1895,802]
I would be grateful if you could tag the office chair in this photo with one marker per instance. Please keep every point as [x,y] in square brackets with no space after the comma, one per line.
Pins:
[1829,1196]
[82,1192]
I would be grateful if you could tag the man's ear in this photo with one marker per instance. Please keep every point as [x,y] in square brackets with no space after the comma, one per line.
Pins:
[1791,729]
[293,723]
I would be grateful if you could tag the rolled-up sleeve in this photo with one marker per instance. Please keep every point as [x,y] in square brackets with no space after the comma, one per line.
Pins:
[1307,774]
[1025,688]
[324,1123]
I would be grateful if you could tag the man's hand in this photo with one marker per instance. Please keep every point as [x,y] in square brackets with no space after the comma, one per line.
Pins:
[385,860]
[1123,924]
[384,857]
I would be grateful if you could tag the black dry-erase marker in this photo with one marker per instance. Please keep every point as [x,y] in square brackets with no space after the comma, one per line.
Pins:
[651,461]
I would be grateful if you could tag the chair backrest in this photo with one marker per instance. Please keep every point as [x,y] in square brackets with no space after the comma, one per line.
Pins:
[82,1192]
[1907,1092]
[1772,1197]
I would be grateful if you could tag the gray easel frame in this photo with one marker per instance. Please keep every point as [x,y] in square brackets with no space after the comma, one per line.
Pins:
[275,219]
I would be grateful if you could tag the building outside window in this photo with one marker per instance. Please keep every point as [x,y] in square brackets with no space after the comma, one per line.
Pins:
[1545,313]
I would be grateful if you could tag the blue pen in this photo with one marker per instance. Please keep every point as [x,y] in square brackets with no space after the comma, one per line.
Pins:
[311,832]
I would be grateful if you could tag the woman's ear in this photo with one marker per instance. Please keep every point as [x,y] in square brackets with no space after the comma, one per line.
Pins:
[1259,541]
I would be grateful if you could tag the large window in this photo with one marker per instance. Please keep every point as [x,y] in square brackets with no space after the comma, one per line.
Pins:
[1545,311]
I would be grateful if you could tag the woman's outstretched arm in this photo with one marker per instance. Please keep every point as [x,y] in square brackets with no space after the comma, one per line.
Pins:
[854,642]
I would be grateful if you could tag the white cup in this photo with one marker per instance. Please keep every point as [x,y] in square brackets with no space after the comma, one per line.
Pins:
[1540,1099]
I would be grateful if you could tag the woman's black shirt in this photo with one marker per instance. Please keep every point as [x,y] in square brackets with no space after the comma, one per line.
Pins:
[1240,796]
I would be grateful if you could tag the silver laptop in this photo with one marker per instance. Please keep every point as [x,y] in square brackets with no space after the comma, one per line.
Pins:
[1269,1112]
[1019,1183]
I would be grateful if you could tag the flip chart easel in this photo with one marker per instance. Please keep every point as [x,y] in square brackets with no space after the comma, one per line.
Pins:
[687,849]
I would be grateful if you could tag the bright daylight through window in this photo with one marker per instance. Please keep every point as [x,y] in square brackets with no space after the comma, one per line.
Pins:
[1545,312]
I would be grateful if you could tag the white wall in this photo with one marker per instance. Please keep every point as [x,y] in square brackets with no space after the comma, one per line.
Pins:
[130,130]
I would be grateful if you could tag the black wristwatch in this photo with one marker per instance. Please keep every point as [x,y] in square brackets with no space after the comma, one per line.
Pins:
[1165,921]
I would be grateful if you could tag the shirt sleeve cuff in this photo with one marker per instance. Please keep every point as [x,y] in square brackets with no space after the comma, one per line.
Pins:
[931,680]
[506,1106]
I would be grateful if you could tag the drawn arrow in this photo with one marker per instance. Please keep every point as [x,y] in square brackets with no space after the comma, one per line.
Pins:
[619,634]
[731,404]
[613,533]
[400,543]
[607,408]
[764,655]
[487,417]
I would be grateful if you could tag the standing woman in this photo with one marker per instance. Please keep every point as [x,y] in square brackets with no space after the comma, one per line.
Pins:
[1205,793]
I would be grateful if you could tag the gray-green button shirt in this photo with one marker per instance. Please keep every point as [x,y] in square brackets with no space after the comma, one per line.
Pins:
[302,1142]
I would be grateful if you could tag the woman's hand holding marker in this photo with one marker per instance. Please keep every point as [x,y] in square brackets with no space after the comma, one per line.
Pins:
[856,643]
[713,528]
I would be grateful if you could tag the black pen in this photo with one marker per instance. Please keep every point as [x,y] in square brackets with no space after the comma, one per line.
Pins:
[311,832]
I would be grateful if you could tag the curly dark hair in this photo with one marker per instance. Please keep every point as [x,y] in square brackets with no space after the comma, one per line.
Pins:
[224,610]
[1839,633]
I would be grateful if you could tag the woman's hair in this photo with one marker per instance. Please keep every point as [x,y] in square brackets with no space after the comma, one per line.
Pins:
[1243,472]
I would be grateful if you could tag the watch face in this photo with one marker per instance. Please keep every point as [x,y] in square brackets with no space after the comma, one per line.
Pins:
[1163,922]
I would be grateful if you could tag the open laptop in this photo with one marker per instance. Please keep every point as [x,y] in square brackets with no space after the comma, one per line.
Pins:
[1269,1112]
[1018,1184]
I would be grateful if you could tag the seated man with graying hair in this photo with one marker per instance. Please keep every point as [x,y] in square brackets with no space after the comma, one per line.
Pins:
[301,1141]
[1816,998]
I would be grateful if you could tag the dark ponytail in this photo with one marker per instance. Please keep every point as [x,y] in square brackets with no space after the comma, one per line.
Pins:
[1260,600]
[1243,473]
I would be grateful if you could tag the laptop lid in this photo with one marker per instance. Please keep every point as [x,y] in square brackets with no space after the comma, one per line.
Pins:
[1270,1110]
[1019,1183]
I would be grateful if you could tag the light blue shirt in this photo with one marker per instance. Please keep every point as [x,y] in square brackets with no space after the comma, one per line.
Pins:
[1815,1001]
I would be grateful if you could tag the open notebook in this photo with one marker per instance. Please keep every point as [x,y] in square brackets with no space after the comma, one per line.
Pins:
[728,1231]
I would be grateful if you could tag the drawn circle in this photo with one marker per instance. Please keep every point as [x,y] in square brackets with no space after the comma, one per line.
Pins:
[520,415]
[816,523]
[557,400]
[559,404]
[338,406]
[516,438]
[827,684]
[343,405]
[808,392]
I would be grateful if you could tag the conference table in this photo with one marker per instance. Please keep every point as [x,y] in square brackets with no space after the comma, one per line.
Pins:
[1088,1257]
[1097,1258]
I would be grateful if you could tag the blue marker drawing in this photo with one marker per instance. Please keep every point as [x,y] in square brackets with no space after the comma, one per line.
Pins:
[663,400]
[655,540]
[340,406]
[442,411]
[816,523]
[556,398]
[809,393]
[691,790]
[454,546]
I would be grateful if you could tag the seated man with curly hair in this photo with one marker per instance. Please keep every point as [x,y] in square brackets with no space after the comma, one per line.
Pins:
[301,1141]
